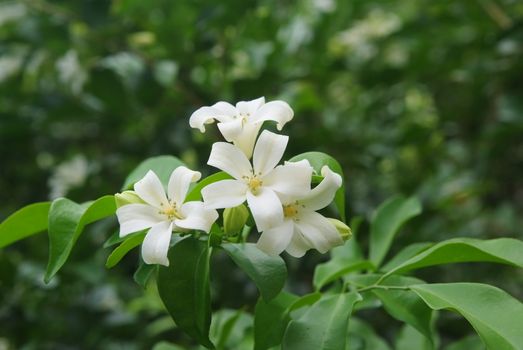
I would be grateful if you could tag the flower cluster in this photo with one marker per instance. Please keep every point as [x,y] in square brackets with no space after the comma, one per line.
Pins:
[280,198]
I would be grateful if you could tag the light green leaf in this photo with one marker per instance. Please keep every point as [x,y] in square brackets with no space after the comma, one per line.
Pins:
[323,326]
[143,274]
[410,339]
[317,161]
[163,166]
[271,319]
[405,254]
[120,251]
[67,220]
[495,315]
[361,336]
[195,193]
[184,288]
[24,222]
[500,250]
[471,342]
[268,272]
[387,221]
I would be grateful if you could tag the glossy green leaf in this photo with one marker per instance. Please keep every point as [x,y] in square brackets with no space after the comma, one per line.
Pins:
[268,272]
[67,220]
[317,161]
[495,315]
[323,326]
[387,221]
[361,336]
[500,250]
[120,251]
[23,223]
[143,273]
[271,319]
[410,339]
[163,166]
[184,288]
[195,193]
[405,254]
[471,342]
[231,329]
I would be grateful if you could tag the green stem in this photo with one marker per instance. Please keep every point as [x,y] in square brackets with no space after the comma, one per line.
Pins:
[376,286]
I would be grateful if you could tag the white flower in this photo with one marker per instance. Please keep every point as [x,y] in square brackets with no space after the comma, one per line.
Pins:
[261,183]
[163,213]
[241,124]
[303,228]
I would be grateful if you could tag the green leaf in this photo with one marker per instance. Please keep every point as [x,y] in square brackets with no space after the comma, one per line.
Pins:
[268,272]
[67,220]
[387,221]
[271,319]
[163,166]
[405,254]
[495,315]
[361,336]
[317,161]
[143,274]
[467,343]
[323,325]
[120,251]
[24,222]
[184,288]
[410,339]
[500,250]
[195,193]
[334,269]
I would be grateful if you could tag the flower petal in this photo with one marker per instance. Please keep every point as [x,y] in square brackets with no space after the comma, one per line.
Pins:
[290,180]
[246,139]
[266,208]
[196,217]
[268,151]
[156,244]
[221,111]
[278,111]
[230,159]
[151,190]
[298,246]
[318,231]
[179,183]
[224,194]
[249,108]
[323,194]
[274,240]
[231,130]
[137,217]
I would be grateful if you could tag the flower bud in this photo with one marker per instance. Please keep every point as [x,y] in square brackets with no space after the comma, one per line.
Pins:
[127,197]
[234,219]
[344,230]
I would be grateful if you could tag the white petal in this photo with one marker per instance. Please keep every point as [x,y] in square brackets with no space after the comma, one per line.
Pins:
[224,194]
[275,240]
[323,194]
[231,130]
[196,217]
[230,159]
[179,182]
[137,217]
[290,180]
[151,190]
[298,246]
[246,139]
[278,111]
[318,231]
[221,111]
[268,151]
[249,108]
[156,244]
[266,208]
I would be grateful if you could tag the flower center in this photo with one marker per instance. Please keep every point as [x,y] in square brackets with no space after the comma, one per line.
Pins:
[170,211]
[254,184]
[290,210]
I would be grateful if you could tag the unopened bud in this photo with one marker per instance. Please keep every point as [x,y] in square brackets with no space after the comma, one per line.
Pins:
[344,230]
[234,219]
[127,197]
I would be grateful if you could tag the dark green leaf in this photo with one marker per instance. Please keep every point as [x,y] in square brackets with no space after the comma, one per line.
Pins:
[163,166]
[195,193]
[495,315]
[184,288]
[24,222]
[323,326]
[387,221]
[361,336]
[143,274]
[268,272]
[410,339]
[471,342]
[67,220]
[405,254]
[120,251]
[334,269]
[317,161]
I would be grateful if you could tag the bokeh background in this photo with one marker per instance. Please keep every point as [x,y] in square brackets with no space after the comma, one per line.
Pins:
[414,97]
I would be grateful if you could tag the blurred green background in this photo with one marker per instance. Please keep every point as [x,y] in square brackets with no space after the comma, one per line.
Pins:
[412,97]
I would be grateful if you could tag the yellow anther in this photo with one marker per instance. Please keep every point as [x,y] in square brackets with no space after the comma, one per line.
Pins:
[171,212]
[290,211]
[255,184]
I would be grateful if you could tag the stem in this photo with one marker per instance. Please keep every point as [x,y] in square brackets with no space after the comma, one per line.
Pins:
[376,286]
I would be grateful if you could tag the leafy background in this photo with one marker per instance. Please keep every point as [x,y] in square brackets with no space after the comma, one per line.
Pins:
[412,97]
